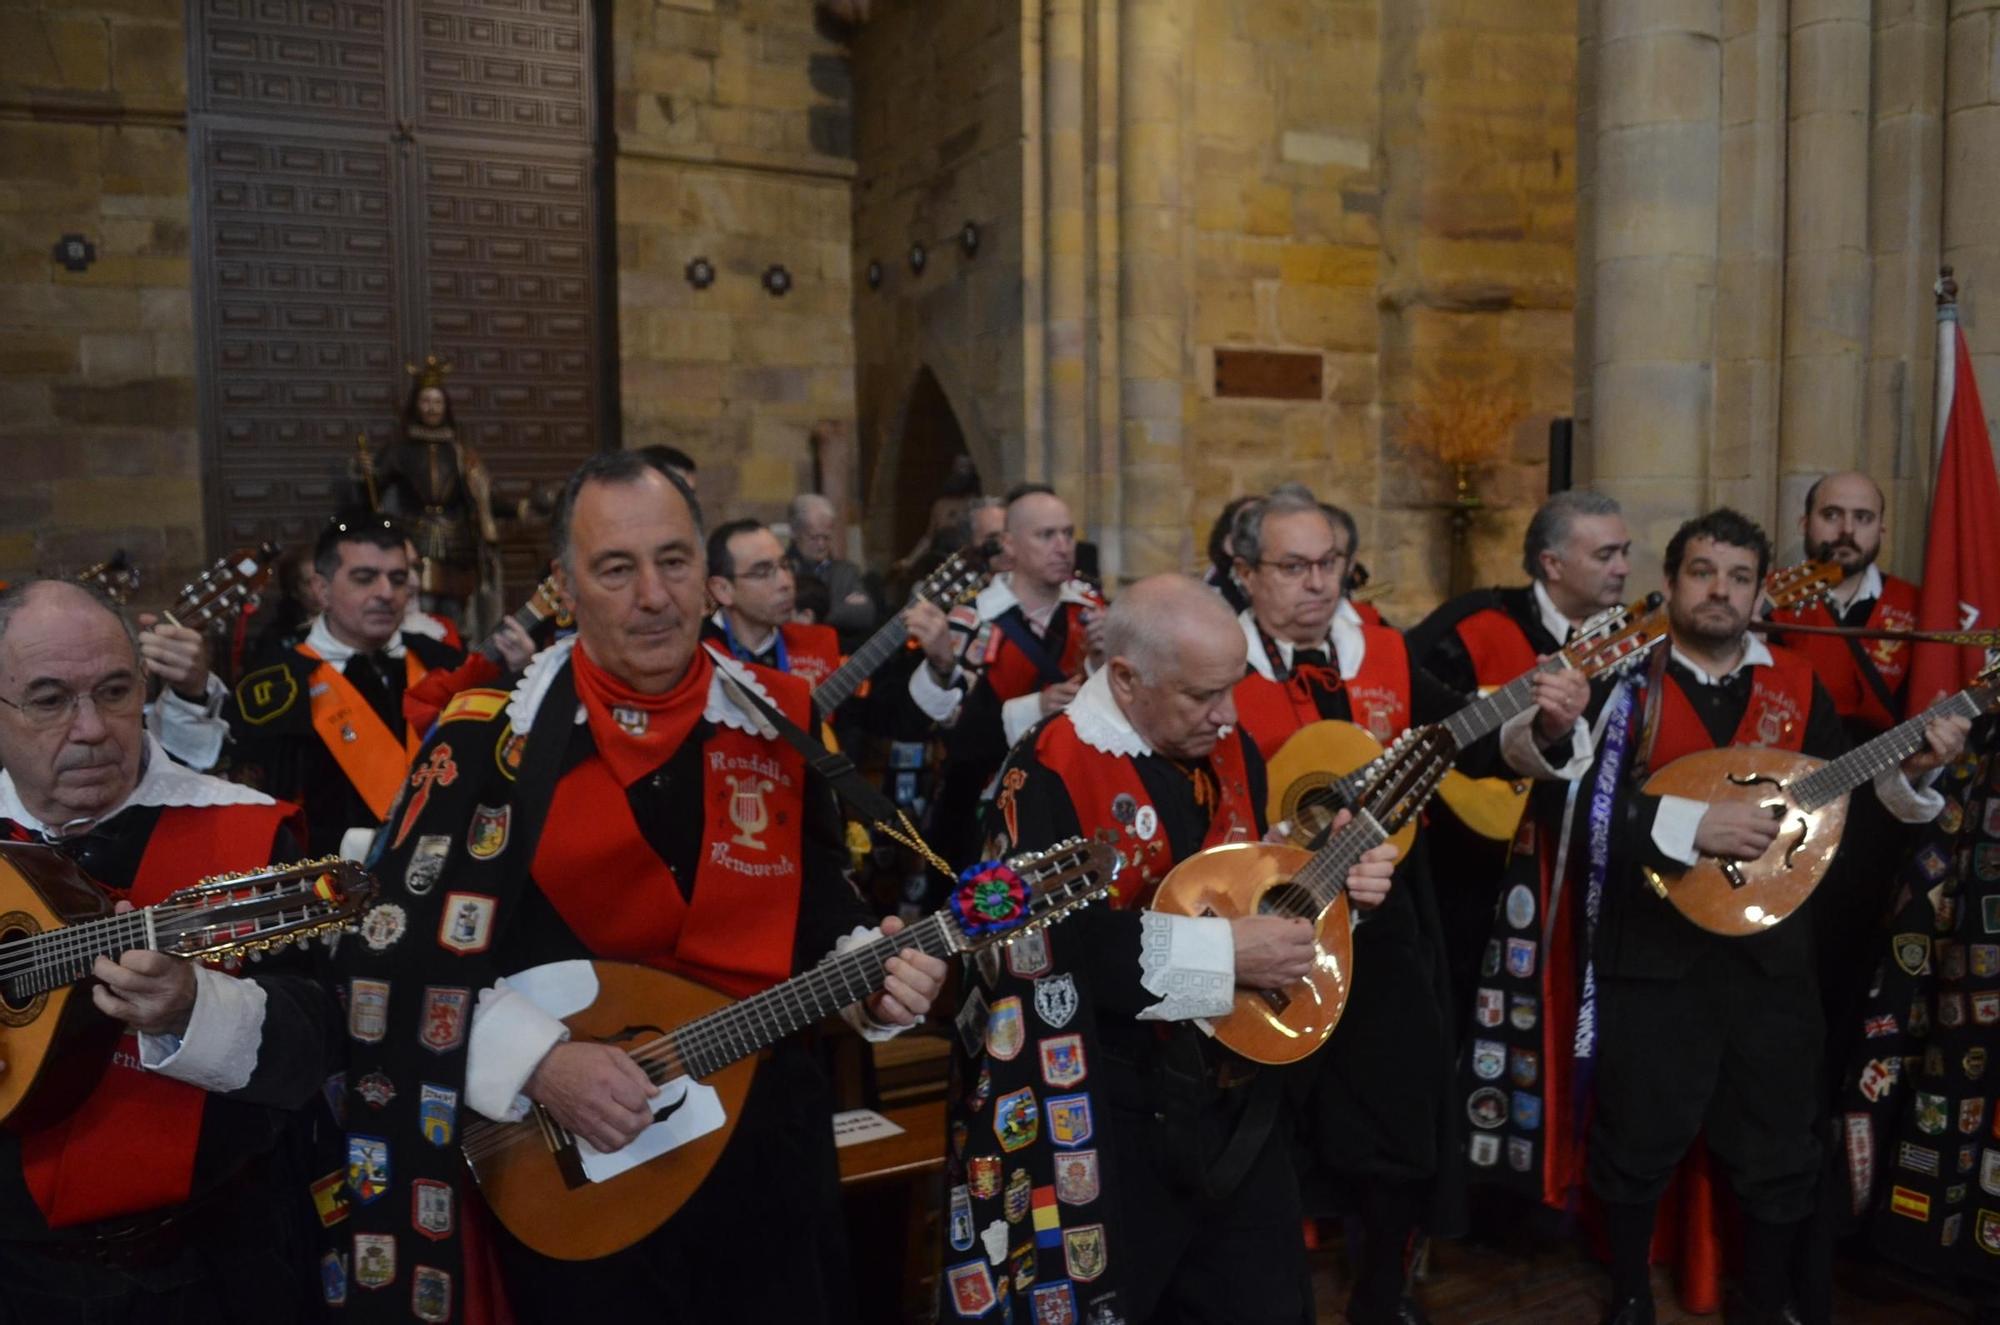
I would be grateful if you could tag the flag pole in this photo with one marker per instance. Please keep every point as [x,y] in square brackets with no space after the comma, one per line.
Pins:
[1946,290]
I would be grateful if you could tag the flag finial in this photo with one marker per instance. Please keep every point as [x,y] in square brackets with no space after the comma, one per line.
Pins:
[1946,288]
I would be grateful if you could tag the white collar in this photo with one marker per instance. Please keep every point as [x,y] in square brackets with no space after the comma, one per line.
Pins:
[1350,644]
[1100,723]
[416,621]
[1868,586]
[999,595]
[321,641]
[161,782]
[1553,619]
[550,662]
[1755,654]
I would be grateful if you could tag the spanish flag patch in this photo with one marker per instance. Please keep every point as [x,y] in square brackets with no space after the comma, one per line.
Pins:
[478,705]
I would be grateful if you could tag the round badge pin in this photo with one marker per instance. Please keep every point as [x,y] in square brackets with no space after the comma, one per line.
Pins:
[1520,907]
[1146,823]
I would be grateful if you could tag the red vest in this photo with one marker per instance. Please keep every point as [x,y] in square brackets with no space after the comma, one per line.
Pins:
[1012,673]
[1096,781]
[1834,661]
[130,1146]
[1780,703]
[1498,647]
[812,651]
[1378,695]
[738,930]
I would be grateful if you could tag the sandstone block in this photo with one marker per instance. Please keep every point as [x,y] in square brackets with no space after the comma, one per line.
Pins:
[1328,317]
[149,59]
[54,50]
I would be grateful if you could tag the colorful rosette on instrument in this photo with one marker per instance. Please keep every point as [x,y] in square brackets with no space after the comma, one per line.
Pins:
[990,899]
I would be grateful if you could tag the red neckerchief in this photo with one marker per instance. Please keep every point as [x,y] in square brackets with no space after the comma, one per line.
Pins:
[614,709]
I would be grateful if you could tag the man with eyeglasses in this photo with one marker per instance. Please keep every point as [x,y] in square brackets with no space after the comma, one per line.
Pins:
[1377,1120]
[165,1192]
[322,723]
[751,580]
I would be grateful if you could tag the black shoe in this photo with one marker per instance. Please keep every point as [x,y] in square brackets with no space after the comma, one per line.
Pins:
[1630,1311]
[1404,1312]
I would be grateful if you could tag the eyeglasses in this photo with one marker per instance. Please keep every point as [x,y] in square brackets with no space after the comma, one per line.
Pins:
[119,697]
[1295,568]
[764,570]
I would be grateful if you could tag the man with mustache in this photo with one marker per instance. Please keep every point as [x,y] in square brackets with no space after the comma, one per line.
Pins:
[165,1193]
[1868,679]
[322,724]
[1702,1034]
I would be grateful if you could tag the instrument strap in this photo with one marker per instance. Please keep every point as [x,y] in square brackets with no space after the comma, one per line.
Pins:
[1872,677]
[1013,623]
[864,799]
[1252,1129]
[1656,689]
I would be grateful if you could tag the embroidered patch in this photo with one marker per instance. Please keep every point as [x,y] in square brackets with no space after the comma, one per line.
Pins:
[426,863]
[1974,1063]
[330,1198]
[1910,1204]
[1971,1114]
[1523,1066]
[1028,955]
[1069,1119]
[487,836]
[1023,1265]
[383,925]
[1484,1149]
[1950,959]
[1487,1107]
[368,1010]
[1917,1159]
[971,1288]
[507,752]
[1489,1059]
[1005,1033]
[1083,1252]
[1016,1120]
[1520,958]
[1860,1159]
[442,1021]
[1521,1011]
[1055,1000]
[1527,1111]
[1014,1201]
[333,1279]
[376,1089]
[1986,1007]
[1953,1225]
[1986,956]
[479,704]
[437,1111]
[467,923]
[367,1167]
[1931,1116]
[1951,1010]
[1062,1061]
[1520,1154]
[266,694]
[1077,1177]
[958,1227]
[1048,1223]
[1520,906]
[1877,1027]
[437,770]
[1491,1008]
[1989,1173]
[1054,1304]
[431,1208]
[430,1294]
[1145,823]
[982,1089]
[982,1174]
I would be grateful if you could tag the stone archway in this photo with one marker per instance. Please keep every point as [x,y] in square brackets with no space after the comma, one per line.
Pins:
[913,466]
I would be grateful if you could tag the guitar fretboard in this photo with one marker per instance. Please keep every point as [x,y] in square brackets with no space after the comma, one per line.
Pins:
[527,619]
[1325,875]
[1879,754]
[838,688]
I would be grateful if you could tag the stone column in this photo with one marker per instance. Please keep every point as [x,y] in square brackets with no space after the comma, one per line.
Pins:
[1656,167]
[1064,284]
[1972,181]
[1153,298]
[1827,285]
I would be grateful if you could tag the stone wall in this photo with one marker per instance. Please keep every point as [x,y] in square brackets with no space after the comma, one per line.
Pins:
[98,437]
[735,145]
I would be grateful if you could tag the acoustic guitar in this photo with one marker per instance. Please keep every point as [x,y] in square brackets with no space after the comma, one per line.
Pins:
[945,587]
[1807,795]
[225,589]
[1264,878]
[537,617]
[566,1200]
[55,922]
[1313,773]
[116,578]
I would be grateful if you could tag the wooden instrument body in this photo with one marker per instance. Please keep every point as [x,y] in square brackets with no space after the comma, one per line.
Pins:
[56,1044]
[540,1194]
[1764,891]
[1242,879]
[1322,753]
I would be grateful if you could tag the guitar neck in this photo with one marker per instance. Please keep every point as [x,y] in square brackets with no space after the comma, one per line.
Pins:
[708,1044]
[1488,713]
[1325,875]
[527,619]
[838,688]
[1881,753]
[59,957]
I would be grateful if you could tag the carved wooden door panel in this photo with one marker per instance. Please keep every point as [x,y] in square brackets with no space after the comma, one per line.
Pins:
[377,180]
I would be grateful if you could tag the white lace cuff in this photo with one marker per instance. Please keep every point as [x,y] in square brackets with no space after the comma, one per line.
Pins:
[1910,803]
[1189,963]
[510,1038]
[938,702]
[191,732]
[224,1032]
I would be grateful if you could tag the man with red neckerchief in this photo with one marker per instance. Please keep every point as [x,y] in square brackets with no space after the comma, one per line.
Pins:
[168,1192]
[995,668]
[1698,1033]
[555,824]
[1108,1160]
[1377,1119]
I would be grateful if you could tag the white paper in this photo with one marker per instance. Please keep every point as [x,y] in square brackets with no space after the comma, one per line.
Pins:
[698,1112]
[858,1125]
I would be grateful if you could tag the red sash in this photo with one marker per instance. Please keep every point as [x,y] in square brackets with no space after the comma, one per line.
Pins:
[1834,660]
[1378,695]
[1498,647]
[1096,781]
[1780,702]
[1012,673]
[374,759]
[622,900]
[130,1146]
[812,651]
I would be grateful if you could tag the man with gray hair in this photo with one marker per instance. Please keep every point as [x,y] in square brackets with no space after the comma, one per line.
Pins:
[1577,554]
[853,611]
[1162,1160]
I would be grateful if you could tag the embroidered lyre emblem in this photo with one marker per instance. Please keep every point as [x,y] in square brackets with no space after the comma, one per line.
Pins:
[747,809]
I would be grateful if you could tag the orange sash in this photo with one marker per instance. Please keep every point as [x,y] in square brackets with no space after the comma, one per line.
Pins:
[355,735]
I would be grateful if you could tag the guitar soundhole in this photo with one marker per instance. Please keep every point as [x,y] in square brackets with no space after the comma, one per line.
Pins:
[16,1010]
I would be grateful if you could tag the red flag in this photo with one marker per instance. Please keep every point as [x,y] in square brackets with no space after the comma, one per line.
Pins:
[1961,589]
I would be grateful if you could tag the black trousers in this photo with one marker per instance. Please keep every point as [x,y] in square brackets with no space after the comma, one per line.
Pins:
[1726,1048]
[762,1239]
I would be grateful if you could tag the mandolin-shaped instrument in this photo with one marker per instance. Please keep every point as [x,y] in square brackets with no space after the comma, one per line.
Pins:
[1264,878]
[945,587]
[55,922]
[225,589]
[1314,773]
[1809,798]
[569,1201]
